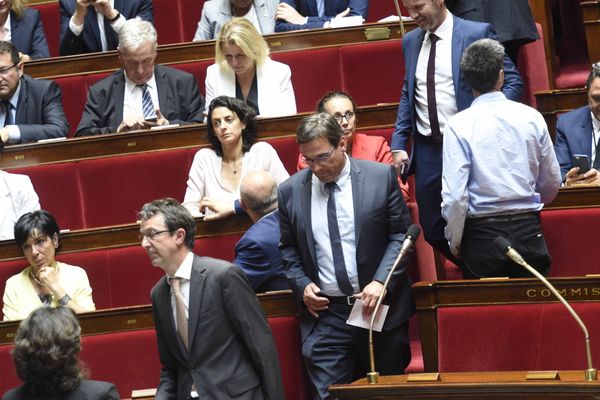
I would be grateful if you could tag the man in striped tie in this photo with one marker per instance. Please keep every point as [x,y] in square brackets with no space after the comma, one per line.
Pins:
[141,94]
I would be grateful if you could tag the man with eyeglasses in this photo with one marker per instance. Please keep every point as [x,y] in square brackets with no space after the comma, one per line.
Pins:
[342,224]
[30,109]
[213,338]
[578,132]
[342,107]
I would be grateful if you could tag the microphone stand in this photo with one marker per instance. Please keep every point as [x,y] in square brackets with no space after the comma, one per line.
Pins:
[402,30]
[590,372]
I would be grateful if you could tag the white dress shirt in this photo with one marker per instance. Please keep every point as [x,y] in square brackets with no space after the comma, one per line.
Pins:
[132,101]
[253,18]
[6,34]
[595,136]
[17,197]
[444,84]
[344,206]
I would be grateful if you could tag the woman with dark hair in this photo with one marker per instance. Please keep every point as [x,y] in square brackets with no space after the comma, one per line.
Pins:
[46,356]
[23,27]
[45,281]
[216,173]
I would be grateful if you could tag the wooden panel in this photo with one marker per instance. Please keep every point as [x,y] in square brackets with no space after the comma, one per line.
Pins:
[575,198]
[591,21]
[371,117]
[554,102]
[275,304]
[196,51]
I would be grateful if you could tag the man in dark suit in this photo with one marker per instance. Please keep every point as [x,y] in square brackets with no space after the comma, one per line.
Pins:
[578,132]
[141,94]
[226,350]
[257,252]
[312,14]
[425,115]
[342,223]
[30,109]
[88,26]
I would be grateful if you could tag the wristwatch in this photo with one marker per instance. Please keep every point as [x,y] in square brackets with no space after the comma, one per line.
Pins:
[63,301]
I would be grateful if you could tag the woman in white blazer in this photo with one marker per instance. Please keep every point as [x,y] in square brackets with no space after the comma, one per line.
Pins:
[244,70]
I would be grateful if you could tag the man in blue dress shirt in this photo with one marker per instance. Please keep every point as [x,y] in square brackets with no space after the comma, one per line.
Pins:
[499,168]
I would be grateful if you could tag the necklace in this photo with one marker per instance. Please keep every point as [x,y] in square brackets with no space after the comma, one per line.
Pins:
[234,166]
[36,279]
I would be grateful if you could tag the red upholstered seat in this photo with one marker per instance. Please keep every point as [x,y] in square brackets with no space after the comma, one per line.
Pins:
[374,72]
[222,247]
[189,15]
[287,150]
[532,66]
[57,186]
[50,15]
[95,264]
[515,337]
[167,21]
[379,9]
[198,69]
[74,91]
[314,72]
[114,189]
[9,376]
[286,332]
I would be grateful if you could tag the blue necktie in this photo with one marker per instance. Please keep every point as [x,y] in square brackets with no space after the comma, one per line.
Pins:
[336,243]
[147,105]
[321,8]
[8,118]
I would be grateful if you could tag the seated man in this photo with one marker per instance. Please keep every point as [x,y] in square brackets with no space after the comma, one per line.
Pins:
[88,26]
[257,252]
[30,109]
[141,94]
[312,14]
[499,169]
[17,197]
[578,132]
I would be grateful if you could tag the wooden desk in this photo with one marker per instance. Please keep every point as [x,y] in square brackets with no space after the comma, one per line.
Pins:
[473,385]
[197,51]
[371,117]
[570,197]
[430,296]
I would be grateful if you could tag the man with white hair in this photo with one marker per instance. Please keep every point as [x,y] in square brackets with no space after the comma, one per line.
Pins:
[141,94]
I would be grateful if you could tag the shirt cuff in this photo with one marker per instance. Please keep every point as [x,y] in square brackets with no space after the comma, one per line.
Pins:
[237,207]
[118,24]
[14,134]
[76,29]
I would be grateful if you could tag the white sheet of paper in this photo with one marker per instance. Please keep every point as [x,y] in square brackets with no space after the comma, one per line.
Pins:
[341,22]
[356,316]
[393,18]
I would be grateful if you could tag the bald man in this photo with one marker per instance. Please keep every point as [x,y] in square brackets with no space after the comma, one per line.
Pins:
[257,252]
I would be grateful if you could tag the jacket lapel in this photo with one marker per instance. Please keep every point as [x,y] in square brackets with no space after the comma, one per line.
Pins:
[585,133]
[21,112]
[358,180]
[197,282]
[119,96]
[305,202]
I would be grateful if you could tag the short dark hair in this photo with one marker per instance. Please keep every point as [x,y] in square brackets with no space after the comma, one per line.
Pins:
[46,351]
[243,112]
[41,221]
[594,73]
[334,94]
[9,48]
[175,216]
[320,125]
[481,64]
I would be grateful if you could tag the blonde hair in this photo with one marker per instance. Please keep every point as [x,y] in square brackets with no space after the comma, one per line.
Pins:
[18,6]
[241,32]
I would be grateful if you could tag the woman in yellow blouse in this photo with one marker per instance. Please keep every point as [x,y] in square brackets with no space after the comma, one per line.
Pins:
[45,281]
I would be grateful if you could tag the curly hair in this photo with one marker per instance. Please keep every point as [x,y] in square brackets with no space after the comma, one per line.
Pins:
[46,351]
[243,112]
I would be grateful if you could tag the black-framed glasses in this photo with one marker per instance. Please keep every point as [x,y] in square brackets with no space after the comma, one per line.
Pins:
[6,70]
[340,117]
[320,158]
[150,235]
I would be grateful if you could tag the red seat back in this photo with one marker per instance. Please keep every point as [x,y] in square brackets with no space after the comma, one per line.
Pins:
[50,16]
[74,92]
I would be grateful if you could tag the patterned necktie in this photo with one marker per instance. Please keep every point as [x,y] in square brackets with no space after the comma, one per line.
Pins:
[336,243]
[147,105]
[431,101]
[182,321]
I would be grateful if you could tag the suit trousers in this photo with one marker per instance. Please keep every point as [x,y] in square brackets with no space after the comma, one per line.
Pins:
[335,352]
[523,231]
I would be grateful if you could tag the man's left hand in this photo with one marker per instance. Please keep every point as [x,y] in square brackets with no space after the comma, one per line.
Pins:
[369,295]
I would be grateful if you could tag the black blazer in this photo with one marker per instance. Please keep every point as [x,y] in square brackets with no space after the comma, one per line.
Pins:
[232,353]
[381,219]
[27,34]
[179,101]
[87,390]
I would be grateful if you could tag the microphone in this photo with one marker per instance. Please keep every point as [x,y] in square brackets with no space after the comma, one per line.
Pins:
[410,238]
[504,246]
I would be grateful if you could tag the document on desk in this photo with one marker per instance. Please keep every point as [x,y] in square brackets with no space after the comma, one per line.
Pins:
[357,318]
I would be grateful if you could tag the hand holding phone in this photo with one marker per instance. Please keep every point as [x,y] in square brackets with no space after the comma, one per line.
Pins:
[582,161]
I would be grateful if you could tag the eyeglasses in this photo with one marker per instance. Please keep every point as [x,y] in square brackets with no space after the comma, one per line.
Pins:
[150,235]
[6,70]
[339,117]
[320,158]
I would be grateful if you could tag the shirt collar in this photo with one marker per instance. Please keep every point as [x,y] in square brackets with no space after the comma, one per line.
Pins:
[340,180]
[489,97]
[130,86]
[14,100]
[595,123]
[185,269]
[6,26]
[444,31]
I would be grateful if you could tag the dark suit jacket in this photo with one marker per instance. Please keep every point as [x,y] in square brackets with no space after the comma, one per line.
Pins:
[89,40]
[40,112]
[512,19]
[87,390]
[27,34]
[308,8]
[463,34]
[381,220]
[257,254]
[232,353]
[573,136]
[179,101]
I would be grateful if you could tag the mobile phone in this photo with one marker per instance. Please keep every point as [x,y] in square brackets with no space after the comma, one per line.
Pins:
[582,161]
